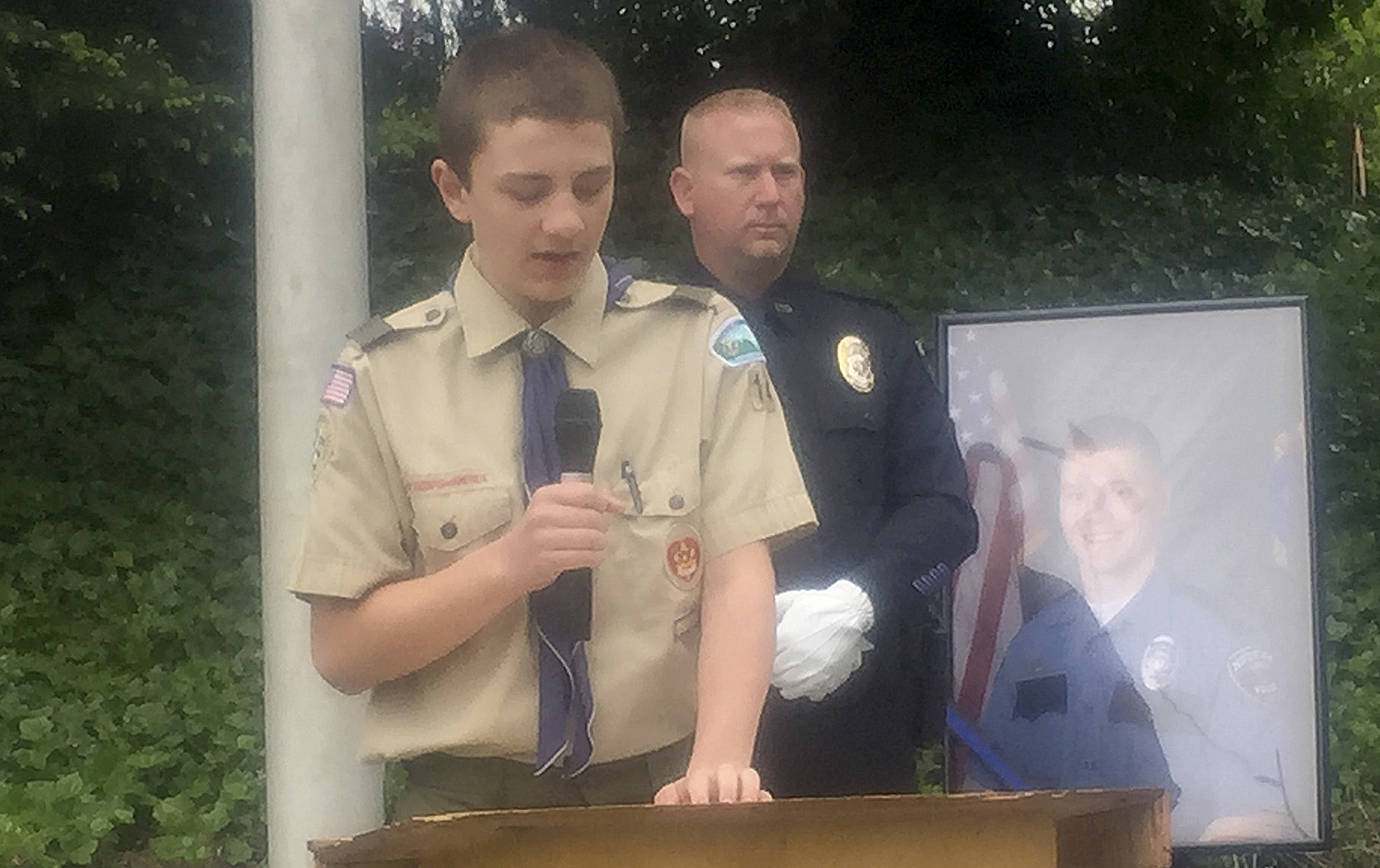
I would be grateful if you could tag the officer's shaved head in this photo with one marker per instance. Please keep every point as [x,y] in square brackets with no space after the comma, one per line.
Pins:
[743,100]
[741,186]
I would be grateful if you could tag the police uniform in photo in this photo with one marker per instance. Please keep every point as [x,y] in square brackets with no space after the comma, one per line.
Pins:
[1160,696]
[879,458]
[1213,701]
[419,461]
[1064,712]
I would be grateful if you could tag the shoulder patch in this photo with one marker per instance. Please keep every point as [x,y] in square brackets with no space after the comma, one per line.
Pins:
[735,344]
[1253,672]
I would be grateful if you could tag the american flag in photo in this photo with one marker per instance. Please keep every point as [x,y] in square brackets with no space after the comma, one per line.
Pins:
[340,386]
[986,610]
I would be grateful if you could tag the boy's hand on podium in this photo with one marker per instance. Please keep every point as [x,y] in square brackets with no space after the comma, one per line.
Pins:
[727,783]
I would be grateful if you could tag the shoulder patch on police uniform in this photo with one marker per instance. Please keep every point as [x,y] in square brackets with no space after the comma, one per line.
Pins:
[735,344]
[1253,671]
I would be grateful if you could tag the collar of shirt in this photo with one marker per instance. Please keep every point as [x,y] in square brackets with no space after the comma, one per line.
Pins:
[778,308]
[489,321]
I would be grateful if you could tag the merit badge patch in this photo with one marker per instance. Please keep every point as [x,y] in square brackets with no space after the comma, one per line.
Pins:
[1253,670]
[735,344]
[855,363]
[683,556]
[1160,663]
[321,446]
[340,386]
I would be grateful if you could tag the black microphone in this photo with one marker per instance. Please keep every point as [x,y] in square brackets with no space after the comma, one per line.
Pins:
[566,606]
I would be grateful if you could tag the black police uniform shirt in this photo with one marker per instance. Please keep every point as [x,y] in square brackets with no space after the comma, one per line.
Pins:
[877,451]
[1206,694]
[1064,712]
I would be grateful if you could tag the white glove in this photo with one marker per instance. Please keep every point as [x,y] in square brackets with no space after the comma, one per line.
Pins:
[819,639]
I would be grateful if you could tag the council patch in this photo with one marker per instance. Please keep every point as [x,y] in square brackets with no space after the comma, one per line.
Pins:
[735,344]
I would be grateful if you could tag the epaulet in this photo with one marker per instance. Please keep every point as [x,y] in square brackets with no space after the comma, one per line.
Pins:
[644,293]
[424,314]
[859,298]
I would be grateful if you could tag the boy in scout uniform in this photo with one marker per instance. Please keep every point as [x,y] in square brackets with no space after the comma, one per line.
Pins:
[437,508]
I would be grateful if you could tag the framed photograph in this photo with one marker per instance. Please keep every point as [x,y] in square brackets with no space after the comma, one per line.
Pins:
[1143,607]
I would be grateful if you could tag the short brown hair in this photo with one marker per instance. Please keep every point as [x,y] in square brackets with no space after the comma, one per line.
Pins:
[522,72]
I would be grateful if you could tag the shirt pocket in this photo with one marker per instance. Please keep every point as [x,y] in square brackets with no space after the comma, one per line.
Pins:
[665,539]
[450,524]
[851,459]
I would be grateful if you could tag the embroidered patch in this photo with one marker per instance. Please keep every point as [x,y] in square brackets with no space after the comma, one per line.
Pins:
[1160,663]
[1253,671]
[683,556]
[445,480]
[340,386]
[321,447]
[735,344]
[855,363]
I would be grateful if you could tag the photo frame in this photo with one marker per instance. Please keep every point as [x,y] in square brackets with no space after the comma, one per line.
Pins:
[1143,607]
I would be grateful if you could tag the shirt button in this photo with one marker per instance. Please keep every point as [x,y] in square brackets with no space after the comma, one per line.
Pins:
[448,530]
[677,501]
[432,314]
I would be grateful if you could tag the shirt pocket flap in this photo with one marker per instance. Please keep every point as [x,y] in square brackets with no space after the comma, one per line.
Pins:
[452,520]
[667,493]
[850,412]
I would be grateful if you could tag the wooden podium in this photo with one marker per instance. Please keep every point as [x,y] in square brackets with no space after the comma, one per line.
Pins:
[1069,829]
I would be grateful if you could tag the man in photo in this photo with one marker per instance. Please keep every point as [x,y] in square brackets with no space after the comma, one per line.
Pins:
[439,514]
[1207,694]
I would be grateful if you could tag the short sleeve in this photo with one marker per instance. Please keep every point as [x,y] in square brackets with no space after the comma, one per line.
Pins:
[358,522]
[751,487]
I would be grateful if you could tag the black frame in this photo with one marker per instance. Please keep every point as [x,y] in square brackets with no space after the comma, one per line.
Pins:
[946,322]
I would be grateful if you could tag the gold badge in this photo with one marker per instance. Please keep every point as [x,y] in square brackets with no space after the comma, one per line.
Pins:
[683,556]
[855,363]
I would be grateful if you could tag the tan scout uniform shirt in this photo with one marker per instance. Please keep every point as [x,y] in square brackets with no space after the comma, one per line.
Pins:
[422,464]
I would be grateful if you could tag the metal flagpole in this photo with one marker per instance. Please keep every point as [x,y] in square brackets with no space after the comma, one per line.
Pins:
[310,275]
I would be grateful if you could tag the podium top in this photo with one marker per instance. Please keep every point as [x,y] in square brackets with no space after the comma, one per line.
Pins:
[1139,817]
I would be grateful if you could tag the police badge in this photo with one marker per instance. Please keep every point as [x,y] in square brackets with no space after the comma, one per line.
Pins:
[855,363]
[1159,664]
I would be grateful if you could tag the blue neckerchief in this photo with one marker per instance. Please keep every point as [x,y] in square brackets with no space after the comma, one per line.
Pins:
[566,700]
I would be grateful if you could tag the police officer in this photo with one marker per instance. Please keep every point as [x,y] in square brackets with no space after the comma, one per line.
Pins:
[438,514]
[1207,693]
[875,446]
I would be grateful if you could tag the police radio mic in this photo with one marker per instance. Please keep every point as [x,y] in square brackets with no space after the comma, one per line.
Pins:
[567,604]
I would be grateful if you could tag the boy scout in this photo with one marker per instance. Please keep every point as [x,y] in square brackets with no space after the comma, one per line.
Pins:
[436,507]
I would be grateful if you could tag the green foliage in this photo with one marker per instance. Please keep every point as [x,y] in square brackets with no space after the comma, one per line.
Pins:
[100,141]
[131,715]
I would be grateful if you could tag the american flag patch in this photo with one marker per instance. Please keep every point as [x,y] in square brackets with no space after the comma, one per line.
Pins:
[340,386]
